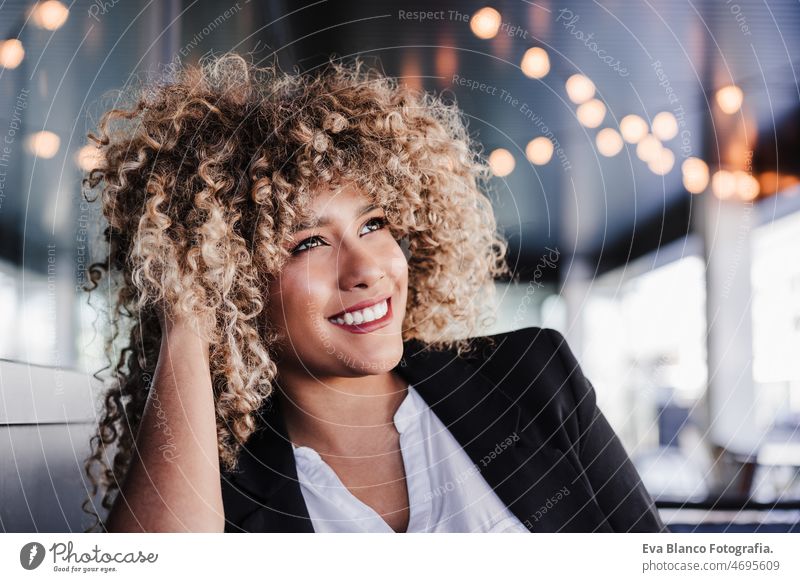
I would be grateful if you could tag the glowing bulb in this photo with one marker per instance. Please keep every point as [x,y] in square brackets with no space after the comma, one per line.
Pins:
[648,148]
[747,187]
[539,151]
[633,128]
[485,22]
[50,15]
[662,162]
[535,63]
[580,88]
[43,144]
[89,157]
[730,99]
[609,142]
[723,184]
[695,175]
[11,53]
[501,162]
[665,126]
[591,113]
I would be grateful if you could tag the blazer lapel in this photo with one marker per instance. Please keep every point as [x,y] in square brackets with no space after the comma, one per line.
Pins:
[264,494]
[539,483]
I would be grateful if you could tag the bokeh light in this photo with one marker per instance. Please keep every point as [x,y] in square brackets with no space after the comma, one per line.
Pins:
[43,144]
[609,142]
[535,63]
[580,88]
[633,128]
[591,113]
[648,148]
[501,162]
[485,22]
[11,53]
[539,151]
[730,99]
[723,184]
[695,175]
[665,126]
[50,15]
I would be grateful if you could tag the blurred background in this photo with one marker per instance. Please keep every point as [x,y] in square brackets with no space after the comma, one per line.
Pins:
[646,172]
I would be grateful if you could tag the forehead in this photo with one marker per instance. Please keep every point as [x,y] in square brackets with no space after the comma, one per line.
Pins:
[330,201]
[339,193]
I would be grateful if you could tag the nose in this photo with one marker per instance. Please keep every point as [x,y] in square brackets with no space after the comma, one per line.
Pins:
[358,267]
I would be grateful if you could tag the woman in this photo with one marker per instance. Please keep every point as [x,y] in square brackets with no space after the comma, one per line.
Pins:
[295,259]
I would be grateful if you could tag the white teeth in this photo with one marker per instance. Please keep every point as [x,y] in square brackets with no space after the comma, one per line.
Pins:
[364,315]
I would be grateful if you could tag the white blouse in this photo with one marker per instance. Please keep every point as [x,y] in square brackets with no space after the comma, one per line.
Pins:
[445,488]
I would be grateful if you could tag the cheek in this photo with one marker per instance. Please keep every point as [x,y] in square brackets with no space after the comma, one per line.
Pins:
[301,294]
[398,264]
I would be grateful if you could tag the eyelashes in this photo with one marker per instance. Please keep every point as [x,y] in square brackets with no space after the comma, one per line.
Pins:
[301,247]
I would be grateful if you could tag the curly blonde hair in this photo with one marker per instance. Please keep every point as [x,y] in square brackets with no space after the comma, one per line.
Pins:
[209,170]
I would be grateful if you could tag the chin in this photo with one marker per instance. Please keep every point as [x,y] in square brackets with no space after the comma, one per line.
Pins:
[376,359]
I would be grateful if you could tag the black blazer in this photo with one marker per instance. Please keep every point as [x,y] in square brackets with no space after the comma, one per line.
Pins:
[524,413]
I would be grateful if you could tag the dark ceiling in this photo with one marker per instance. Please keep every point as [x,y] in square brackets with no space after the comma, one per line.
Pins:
[656,55]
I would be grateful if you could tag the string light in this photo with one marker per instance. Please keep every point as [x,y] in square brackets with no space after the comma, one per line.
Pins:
[591,113]
[11,53]
[89,157]
[648,148]
[609,142]
[580,88]
[747,187]
[535,63]
[50,15]
[723,184]
[665,126]
[485,23]
[633,128]
[729,99]
[501,162]
[539,151]
[695,175]
[43,144]
[662,162]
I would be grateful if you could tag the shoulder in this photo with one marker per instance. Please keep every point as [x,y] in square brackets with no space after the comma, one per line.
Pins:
[535,368]
[535,354]
[518,342]
[532,367]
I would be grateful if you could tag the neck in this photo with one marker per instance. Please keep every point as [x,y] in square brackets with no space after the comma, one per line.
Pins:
[337,416]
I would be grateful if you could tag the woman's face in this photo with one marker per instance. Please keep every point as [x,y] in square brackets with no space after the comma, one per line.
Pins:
[340,299]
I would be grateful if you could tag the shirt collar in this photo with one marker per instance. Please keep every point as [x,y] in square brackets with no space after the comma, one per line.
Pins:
[408,412]
[465,400]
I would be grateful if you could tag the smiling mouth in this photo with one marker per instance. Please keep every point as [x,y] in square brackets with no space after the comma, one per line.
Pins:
[367,319]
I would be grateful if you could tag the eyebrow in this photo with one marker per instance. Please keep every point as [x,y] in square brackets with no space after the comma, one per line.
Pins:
[325,221]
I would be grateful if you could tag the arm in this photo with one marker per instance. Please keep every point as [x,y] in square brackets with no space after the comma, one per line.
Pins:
[173,484]
[616,484]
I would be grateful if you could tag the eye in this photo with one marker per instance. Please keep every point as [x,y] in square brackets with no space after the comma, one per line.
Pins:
[379,222]
[375,223]
[300,247]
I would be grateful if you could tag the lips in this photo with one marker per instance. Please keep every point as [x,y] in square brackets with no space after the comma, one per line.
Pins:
[365,327]
[360,306]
